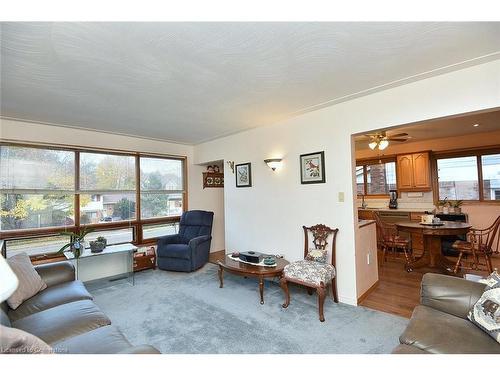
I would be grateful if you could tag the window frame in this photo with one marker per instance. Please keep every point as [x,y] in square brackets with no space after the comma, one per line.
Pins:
[477,153]
[364,163]
[136,224]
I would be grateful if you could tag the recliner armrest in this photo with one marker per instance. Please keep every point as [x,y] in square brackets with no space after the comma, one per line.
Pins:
[169,239]
[194,242]
[56,273]
[140,349]
[452,295]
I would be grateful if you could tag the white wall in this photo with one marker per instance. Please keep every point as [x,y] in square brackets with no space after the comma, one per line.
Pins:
[209,199]
[269,215]
[41,133]
[366,246]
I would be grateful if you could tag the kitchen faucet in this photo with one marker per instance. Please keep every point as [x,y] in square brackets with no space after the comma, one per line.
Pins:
[363,204]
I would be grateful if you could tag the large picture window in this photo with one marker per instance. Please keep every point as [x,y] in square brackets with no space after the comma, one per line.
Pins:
[107,187]
[161,187]
[44,191]
[469,177]
[37,188]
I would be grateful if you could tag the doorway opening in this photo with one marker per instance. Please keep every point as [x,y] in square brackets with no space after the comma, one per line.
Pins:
[447,167]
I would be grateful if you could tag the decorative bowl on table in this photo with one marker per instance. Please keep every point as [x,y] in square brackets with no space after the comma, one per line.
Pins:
[270,260]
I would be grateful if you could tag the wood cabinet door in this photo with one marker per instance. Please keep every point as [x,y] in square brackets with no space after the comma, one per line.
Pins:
[421,171]
[405,172]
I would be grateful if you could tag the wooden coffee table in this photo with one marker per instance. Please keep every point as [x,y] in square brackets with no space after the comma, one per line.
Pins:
[250,270]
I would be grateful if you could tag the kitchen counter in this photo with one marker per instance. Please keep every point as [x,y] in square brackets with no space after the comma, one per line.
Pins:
[402,209]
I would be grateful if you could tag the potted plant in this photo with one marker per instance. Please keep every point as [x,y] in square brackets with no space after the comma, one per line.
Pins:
[457,205]
[443,206]
[77,241]
[98,245]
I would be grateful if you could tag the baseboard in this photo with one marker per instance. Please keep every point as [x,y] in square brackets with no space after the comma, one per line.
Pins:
[362,297]
[216,251]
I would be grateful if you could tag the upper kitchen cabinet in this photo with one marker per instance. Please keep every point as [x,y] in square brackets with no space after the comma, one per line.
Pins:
[414,172]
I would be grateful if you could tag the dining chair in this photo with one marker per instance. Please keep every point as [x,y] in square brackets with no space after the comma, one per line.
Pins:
[314,271]
[480,243]
[389,240]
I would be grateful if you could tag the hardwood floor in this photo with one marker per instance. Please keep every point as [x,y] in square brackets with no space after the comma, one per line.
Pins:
[218,255]
[398,291]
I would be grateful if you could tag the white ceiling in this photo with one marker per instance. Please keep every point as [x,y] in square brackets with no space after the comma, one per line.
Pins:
[442,128]
[190,82]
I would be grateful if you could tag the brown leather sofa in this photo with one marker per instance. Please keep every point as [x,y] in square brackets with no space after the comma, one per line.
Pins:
[439,325]
[65,317]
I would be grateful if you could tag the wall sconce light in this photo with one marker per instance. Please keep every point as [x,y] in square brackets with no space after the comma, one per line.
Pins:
[231,165]
[273,163]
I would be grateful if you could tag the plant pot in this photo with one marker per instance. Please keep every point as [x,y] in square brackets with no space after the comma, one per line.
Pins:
[97,247]
[451,210]
[446,210]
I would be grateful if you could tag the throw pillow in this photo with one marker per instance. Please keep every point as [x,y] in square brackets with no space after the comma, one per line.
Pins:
[30,282]
[15,341]
[492,281]
[317,255]
[486,311]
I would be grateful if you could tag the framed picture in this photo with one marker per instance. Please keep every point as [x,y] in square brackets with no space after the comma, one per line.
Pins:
[243,175]
[312,168]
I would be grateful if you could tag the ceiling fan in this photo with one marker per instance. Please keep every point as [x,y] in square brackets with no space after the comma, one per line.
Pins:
[381,139]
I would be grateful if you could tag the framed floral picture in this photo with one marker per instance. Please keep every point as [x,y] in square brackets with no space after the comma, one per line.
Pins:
[243,175]
[312,168]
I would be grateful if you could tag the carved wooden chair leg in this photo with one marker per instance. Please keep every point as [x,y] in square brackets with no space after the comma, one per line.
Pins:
[459,260]
[284,286]
[321,301]
[334,290]
[489,266]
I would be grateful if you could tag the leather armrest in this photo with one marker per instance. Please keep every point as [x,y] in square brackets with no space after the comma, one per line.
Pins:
[452,295]
[56,273]
[140,349]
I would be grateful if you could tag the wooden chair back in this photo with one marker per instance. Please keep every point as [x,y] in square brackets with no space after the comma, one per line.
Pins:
[320,234]
[385,231]
[487,239]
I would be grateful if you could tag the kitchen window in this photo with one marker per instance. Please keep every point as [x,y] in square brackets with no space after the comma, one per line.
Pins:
[376,178]
[469,176]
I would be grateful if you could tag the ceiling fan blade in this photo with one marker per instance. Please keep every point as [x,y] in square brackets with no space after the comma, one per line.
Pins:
[399,135]
[397,139]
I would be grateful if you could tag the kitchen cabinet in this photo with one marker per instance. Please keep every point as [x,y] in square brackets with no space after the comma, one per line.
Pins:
[366,215]
[414,172]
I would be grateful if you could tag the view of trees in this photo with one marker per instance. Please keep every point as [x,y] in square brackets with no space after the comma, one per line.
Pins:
[37,187]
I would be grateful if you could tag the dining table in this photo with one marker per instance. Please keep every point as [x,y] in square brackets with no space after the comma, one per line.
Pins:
[432,256]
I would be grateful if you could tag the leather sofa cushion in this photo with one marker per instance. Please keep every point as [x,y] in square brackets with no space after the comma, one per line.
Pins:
[53,296]
[103,340]
[64,321]
[441,333]
[408,349]
[180,251]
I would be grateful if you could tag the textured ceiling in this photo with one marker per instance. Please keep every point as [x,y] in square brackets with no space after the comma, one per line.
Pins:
[189,82]
[443,128]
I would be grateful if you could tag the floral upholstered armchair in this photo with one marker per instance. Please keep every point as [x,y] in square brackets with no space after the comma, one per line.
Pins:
[314,271]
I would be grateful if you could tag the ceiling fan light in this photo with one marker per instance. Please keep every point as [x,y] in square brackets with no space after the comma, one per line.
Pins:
[383,144]
[372,145]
